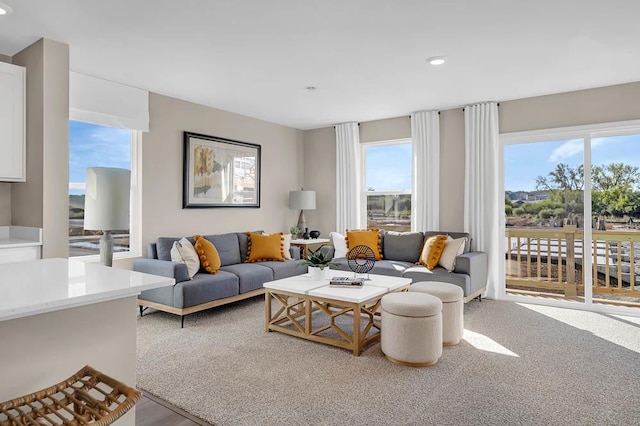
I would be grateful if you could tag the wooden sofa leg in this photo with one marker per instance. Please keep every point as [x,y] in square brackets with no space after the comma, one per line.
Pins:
[141,310]
[479,298]
[182,321]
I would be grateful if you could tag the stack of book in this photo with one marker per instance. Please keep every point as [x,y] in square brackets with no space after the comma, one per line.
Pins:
[346,282]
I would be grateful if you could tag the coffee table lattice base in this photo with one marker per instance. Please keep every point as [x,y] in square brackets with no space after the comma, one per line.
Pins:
[294,315]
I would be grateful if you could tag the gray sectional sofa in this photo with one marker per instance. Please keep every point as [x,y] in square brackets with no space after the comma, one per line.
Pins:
[401,251]
[234,281]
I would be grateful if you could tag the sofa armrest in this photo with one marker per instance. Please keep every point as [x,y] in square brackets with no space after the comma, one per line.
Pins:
[165,268]
[474,264]
[295,252]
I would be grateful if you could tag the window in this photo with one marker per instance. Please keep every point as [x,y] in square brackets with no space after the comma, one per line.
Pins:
[387,185]
[92,145]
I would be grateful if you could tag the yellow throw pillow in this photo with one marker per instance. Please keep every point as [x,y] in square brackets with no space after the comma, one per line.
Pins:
[370,238]
[432,250]
[264,247]
[208,254]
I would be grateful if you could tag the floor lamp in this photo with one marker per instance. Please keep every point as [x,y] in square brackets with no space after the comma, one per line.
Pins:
[106,205]
[302,200]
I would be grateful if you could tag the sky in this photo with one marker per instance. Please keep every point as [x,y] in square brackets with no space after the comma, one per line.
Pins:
[91,145]
[523,163]
[388,167]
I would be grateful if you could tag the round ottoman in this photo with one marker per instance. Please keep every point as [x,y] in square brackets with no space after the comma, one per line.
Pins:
[452,308]
[411,329]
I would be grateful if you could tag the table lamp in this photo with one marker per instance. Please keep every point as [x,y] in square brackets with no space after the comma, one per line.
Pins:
[106,205]
[302,200]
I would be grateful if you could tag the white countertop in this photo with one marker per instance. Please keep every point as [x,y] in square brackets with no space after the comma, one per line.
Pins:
[45,285]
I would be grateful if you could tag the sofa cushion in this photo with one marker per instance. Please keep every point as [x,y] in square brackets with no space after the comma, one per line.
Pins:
[265,247]
[251,275]
[227,246]
[421,273]
[393,268]
[205,288]
[184,252]
[164,246]
[452,249]
[286,241]
[370,238]
[339,243]
[467,247]
[285,269]
[404,246]
[209,257]
[201,289]
[243,242]
[432,250]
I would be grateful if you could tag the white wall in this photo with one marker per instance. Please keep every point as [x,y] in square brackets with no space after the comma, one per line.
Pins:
[599,105]
[162,161]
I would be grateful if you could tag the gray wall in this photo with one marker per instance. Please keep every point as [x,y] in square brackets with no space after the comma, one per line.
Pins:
[599,105]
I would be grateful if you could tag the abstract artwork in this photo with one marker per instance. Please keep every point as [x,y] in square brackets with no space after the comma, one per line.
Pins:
[219,172]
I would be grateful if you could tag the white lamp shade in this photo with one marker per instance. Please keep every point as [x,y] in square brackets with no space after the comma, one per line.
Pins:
[302,200]
[106,202]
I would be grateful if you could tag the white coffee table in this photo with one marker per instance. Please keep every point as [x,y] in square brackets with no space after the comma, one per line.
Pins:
[298,299]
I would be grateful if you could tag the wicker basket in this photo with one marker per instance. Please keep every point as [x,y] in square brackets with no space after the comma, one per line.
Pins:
[87,397]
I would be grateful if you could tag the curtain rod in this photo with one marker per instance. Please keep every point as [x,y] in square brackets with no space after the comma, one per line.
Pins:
[497,103]
[358,126]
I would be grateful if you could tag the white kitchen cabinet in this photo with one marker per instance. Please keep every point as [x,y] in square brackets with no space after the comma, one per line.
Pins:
[12,123]
[19,243]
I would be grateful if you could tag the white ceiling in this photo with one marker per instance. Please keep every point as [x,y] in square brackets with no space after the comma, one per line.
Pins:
[367,58]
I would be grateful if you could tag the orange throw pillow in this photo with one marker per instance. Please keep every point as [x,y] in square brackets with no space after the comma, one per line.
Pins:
[208,254]
[264,247]
[432,250]
[370,238]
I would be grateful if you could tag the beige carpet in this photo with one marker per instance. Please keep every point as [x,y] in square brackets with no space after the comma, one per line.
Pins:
[519,364]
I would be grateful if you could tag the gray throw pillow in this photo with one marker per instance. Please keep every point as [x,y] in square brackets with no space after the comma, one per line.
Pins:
[402,246]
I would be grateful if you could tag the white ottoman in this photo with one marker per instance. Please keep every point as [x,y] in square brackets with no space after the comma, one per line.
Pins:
[452,308]
[411,329]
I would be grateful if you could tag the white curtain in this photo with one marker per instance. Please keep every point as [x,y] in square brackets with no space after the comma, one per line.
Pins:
[481,185]
[425,197]
[347,177]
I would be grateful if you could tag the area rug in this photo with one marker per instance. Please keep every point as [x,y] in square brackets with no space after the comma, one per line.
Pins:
[518,364]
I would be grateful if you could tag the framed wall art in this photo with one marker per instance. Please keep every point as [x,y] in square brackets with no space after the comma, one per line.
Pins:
[220,172]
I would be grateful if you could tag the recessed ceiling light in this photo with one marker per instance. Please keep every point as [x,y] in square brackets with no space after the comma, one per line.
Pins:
[310,88]
[5,9]
[437,60]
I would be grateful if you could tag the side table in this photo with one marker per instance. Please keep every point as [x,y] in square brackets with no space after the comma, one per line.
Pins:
[305,244]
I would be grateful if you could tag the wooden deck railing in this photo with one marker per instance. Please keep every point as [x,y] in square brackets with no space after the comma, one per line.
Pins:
[551,259]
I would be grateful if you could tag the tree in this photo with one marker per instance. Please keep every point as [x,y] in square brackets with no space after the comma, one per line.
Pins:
[565,183]
[613,186]
[614,175]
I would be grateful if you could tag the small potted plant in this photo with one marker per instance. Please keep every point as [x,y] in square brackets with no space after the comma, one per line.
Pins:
[318,263]
[295,232]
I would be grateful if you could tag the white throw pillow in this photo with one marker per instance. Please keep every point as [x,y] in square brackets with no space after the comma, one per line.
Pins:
[184,252]
[287,246]
[339,243]
[452,249]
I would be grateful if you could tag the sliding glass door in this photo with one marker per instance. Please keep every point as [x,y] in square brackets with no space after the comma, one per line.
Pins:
[572,215]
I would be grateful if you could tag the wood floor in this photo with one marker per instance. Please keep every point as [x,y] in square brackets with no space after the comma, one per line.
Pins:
[152,411]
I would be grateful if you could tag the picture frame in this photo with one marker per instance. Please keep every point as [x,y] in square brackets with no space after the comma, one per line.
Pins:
[219,172]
